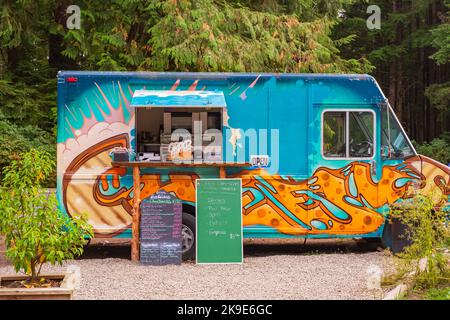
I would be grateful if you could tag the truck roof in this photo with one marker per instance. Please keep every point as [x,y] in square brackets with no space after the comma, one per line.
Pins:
[212,75]
[359,88]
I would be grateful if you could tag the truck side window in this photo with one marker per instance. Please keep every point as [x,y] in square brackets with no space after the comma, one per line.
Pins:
[361,134]
[334,134]
[354,139]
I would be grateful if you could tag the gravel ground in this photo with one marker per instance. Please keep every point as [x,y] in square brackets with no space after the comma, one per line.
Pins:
[272,269]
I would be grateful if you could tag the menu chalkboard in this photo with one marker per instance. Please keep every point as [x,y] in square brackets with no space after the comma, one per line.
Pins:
[219,221]
[160,229]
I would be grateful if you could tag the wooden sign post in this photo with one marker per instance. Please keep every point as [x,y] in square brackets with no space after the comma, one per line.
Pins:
[136,214]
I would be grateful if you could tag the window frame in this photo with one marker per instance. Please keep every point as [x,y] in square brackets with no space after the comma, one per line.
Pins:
[389,111]
[347,133]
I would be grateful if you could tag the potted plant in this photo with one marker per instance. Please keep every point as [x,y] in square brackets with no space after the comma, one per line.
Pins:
[36,231]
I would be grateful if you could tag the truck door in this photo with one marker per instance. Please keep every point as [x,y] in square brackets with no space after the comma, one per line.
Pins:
[343,192]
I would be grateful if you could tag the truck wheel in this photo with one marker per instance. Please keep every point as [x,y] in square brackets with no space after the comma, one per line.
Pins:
[188,237]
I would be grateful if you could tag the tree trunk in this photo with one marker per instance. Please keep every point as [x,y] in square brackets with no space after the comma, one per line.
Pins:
[56,42]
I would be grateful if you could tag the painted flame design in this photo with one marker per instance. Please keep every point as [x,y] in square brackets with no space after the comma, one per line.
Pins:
[331,201]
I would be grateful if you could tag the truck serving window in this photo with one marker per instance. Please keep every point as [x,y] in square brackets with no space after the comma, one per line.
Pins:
[348,134]
[178,125]
[181,133]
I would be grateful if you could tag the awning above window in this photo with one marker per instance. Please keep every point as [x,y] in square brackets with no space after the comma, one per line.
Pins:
[171,98]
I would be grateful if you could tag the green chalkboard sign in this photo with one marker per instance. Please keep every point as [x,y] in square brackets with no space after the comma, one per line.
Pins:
[219,220]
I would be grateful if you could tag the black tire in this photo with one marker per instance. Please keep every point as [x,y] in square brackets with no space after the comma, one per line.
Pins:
[187,231]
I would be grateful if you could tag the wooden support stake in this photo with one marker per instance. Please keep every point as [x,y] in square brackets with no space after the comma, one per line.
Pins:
[136,214]
[222,173]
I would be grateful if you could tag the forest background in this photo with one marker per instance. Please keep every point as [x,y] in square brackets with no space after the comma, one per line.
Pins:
[409,54]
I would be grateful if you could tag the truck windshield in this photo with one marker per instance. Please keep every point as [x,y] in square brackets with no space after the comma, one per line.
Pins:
[393,140]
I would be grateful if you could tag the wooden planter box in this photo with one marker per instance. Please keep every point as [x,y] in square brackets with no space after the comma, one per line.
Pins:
[63,292]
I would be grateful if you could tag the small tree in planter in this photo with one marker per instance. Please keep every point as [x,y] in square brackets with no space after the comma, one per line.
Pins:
[35,230]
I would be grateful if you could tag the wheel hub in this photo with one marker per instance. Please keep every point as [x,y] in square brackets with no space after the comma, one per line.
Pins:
[187,238]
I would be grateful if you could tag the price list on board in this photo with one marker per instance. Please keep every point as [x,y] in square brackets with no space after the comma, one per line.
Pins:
[160,229]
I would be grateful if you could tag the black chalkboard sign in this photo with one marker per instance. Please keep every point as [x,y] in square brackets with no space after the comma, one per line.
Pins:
[160,229]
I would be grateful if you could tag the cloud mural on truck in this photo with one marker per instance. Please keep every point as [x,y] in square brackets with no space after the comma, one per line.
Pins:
[91,127]
[333,201]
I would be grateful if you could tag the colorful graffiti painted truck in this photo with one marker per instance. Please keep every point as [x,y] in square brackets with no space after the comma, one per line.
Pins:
[319,155]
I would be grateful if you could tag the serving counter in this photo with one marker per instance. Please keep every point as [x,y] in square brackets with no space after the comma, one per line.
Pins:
[136,165]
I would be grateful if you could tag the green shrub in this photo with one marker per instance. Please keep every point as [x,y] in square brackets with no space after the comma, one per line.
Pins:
[428,230]
[16,139]
[438,294]
[438,149]
[34,228]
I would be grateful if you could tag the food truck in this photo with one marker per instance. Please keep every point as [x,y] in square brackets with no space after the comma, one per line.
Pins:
[319,155]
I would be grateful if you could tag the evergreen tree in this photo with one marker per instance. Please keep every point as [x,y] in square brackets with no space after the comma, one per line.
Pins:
[410,55]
